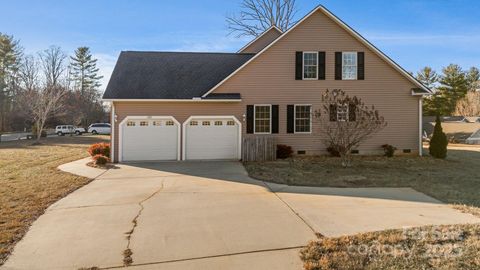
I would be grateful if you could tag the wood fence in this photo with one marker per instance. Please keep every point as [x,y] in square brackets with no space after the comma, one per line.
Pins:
[259,148]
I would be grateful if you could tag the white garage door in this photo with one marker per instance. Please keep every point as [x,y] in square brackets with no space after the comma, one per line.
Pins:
[155,138]
[211,138]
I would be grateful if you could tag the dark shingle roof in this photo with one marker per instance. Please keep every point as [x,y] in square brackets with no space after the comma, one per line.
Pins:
[170,75]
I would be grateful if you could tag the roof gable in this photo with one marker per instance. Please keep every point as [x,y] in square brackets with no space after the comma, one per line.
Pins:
[262,41]
[420,90]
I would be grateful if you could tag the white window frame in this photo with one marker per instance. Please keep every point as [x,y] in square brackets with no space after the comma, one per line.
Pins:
[255,118]
[295,119]
[346,112]
[356,66]
[303,66]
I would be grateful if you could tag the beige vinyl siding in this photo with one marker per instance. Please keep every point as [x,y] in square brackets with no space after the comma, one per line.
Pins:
[261,42]
[270,79]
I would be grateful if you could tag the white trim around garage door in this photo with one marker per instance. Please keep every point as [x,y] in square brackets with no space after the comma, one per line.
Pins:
[193,117]
[120,131]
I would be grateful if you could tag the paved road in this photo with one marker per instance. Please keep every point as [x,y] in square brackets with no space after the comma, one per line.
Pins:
[207,215]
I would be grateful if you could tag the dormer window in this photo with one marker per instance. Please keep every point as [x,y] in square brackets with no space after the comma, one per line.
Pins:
[310,65]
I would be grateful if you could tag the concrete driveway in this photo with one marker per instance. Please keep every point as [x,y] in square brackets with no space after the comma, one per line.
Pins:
[208,215]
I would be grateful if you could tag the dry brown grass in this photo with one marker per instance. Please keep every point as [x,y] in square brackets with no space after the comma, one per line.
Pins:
[431,247]
[30,181]
[455,180]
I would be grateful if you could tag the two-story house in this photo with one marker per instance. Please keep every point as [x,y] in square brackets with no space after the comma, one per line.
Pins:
[187,106]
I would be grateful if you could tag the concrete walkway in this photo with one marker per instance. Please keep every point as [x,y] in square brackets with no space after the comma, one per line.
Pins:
[207,215]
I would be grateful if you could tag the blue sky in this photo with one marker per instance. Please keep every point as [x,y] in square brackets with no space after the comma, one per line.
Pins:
[414,33]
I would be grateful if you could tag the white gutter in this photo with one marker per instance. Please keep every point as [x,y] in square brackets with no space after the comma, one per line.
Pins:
[172,100]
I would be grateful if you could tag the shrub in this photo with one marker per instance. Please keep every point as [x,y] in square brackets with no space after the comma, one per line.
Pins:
[99,149]
[389,150]
[439,141]
[333,151]
[100,159]
[284,151]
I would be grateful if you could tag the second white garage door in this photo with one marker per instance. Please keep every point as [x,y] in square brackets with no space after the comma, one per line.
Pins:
[211,138]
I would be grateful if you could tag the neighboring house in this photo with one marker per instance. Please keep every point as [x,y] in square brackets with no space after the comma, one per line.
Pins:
[186,106]
[457,128]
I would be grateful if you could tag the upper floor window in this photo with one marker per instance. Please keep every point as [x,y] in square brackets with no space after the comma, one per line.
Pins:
[303,118]
[263,119]
[310,65]
[349,65]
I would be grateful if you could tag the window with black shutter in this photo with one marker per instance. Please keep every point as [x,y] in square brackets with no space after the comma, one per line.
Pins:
[321,65]
[250,110]
[352,112]
[361,66]
[290,118]
[298,65]
[274,119]
[338,65]
[333,112]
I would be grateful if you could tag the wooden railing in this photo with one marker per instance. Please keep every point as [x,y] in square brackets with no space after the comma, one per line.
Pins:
[259,148]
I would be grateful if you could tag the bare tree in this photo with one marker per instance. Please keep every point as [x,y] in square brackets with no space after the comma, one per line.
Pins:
[469,106]
[40,104]
[41,99]
[29,73]
[346,122]
[256,16]
[53,63]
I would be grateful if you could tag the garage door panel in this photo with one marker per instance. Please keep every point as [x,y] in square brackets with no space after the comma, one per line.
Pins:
[218,140]
[149,142]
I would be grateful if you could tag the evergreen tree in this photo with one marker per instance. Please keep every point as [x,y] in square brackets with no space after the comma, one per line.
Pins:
[453,87]
[428,77]
[84,71]
[84,75]
[10,58]
[439,142]
[473,79]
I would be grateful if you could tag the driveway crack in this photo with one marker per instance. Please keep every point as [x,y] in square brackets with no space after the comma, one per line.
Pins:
[289,207]
[127,253]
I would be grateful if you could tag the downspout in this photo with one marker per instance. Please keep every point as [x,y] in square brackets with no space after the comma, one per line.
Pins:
[112,133]
[420,127]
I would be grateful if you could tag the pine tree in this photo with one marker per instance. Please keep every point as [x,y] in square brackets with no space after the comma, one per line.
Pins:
[473,79]
[428,77]
[84,71]
[84,75]
[10,57]
[454,86]
[439,142]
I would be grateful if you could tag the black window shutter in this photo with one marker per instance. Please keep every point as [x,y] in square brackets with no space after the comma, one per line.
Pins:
[333,112]
[352,112]
[290,119]
[250,113]
[298,65]
[338,65]
[361,66]
[321,65]
[274,118]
